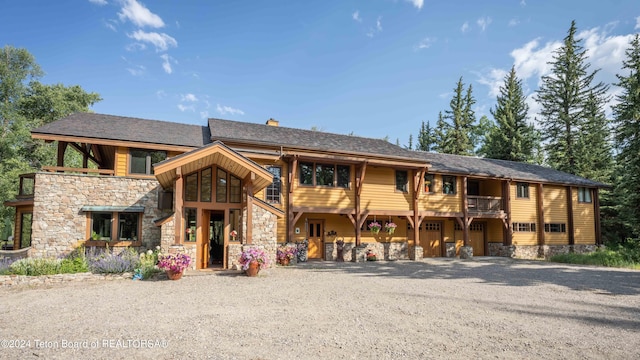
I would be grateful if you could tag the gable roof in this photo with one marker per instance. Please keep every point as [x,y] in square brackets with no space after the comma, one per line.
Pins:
[298,138]
[121,128]
[470,165]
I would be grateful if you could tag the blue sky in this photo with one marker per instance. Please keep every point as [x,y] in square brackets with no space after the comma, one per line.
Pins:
[372,67]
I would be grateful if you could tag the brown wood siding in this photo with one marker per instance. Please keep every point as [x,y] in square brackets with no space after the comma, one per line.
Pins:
[122,161]
[379,191]
[555,211]
[523,210]
[437,201]
[583,220]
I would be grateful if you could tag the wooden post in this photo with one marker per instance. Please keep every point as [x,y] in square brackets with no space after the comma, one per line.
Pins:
[62,147]
[249,233]
[506,201]
[360,173]
[570,227]
[293,165]
[596,216]
[465,212]
[540,212]
[178,193]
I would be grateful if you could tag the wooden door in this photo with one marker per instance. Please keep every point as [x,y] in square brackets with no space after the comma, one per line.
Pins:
[431,239]
[315,236]
[202,241]
[476,237]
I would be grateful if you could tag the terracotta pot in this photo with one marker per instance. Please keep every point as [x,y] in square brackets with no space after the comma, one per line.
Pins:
[174,275]
[284,261]
[254,269]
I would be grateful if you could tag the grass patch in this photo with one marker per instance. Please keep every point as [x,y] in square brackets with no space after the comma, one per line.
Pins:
[619,256]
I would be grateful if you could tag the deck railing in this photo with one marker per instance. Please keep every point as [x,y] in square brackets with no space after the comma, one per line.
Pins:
[484,203]
[78,170]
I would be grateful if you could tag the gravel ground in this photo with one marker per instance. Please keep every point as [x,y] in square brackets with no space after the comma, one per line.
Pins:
[440,308]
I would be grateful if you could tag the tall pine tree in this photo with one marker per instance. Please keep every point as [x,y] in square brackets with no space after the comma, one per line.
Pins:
[563,97]
[426,138]
[456,137]
[627,120]
[512,138]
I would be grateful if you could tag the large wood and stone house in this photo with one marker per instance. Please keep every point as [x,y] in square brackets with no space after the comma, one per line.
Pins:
[189,188]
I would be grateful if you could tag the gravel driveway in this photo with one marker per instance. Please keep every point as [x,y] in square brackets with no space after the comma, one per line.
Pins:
[440,308]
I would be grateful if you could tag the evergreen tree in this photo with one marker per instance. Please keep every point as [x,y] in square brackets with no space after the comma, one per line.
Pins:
[563,97]
[410,147]
[442,143]
[457,138]
[426,138]
[594,142]
[512,138]
[627,136]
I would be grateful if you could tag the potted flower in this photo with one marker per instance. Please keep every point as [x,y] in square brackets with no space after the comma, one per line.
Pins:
[375,227]
[371,256]
[390,227]
[174,264]
[233,235]
[253,260]
[286,253]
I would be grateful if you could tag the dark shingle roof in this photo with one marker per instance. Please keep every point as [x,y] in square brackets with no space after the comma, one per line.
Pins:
[122,128]
[308,139]
[469,165]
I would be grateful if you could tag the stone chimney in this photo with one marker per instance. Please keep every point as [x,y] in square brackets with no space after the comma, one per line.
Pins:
[273,122]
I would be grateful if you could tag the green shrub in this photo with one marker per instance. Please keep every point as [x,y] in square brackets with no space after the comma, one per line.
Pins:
[618,257]
[147,266]
[106,262]
[35,266]
[75,262]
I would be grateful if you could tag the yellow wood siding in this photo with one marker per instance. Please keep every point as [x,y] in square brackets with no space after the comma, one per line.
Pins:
[583,220]
[344,229]
[379,191]
[491,188]
[494,230]
[437,201]
[524,210]
[324,196]
[122,160]
[555,211]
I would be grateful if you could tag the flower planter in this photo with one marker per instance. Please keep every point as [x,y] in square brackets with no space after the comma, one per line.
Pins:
[284,262]
[174,275]
[254,269]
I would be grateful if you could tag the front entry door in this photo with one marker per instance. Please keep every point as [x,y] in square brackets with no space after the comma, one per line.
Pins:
[216,237]
[316,235]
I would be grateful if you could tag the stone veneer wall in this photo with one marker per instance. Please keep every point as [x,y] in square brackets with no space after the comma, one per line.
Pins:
[58,223]
[383,251]
[264,231]
[537,251]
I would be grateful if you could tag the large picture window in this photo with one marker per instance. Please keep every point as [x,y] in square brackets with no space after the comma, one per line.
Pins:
[142,161]
[115,226]
[330,175]
[272,192]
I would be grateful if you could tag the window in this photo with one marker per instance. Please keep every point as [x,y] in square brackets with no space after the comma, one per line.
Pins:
[344,176]
[555,227]
[235,221]
[448,185]
[221,186]
[402,179]
[272,193]
[205,188]
[25,229]
[584,195]
[324,174]
[235,190]
[101,226]
[142,161]
[190,218]
[523,227]
[306,174]
[429,186]
[191,187]
[128,226]
[522,190]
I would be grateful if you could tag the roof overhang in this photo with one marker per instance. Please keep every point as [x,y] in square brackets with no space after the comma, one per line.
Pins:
[109,142]
[215,153]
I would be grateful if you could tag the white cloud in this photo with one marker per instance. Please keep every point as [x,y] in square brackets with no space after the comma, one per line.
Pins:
[465,27]
[514,22]
[161,94]
[138,14]
[223,110]
[189,98]
[161,41]
[166,63]
[424,44]
[483,22]
[356,16]
[136,70]
[637,23]
[379,23]
[523,3]
[98,2]
[493,78]
[417,3]
[184,108]
[111,24]
[204,114]
[135,46]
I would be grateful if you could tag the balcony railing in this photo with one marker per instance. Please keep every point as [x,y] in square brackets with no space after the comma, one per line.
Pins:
[78,170]
[484,204]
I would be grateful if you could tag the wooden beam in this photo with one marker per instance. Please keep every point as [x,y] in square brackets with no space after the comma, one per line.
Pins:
[596,216]
[570,227]
[506,205]
[178,211]
[323,210]
[410,221]
[62,147]
[116,143]
[293,168]
[363,218]
[540,213]
[440,214]
[465,212]
[352,219]
[249,234]
[78,170]
[360,178]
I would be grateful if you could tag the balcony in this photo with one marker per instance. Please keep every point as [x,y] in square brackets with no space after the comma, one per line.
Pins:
[65,169]
[484,204]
